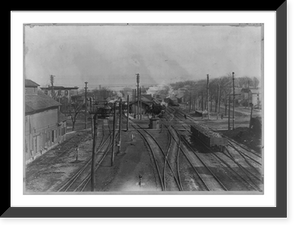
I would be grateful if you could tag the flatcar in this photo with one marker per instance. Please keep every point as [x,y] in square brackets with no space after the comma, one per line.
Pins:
[209,138]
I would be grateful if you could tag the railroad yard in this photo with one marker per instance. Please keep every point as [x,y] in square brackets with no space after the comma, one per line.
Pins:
[164,159]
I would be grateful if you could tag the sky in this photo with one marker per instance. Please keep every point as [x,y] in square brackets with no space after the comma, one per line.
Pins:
[113,54]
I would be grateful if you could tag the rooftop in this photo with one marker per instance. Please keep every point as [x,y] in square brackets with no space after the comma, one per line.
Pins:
[39,102]
[146,98]
[59,88]
[30,83]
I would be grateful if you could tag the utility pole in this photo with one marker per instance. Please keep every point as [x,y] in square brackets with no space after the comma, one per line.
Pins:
[91,110]
[233,100]
[229,113]
[52,87]
[93,153]
[202,101]
[140,100]
[137,91]
[207,87]
[134,101]
[120,125]
[251,105]
[85,105]
[218,101]
[190,104]
[127,112]
[113,138]
[197,101]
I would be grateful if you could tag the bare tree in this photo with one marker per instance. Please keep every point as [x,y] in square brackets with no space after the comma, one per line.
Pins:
[255,82]
[72,110]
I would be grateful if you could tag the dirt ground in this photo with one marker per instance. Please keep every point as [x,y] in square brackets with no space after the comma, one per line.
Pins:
[46,172]
[246,136]
[133,169]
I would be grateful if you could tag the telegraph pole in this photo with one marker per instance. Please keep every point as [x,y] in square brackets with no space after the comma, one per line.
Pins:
[91,110]
[127,112]
[207,87]
[251,105]
[190,104]
[93,153]
[202,97]
[134,100]
[85,105]
[113,137]
[120,125]
[140,100]
[52,87]
[229,113]
[233,100]
[219,97]
[137,93]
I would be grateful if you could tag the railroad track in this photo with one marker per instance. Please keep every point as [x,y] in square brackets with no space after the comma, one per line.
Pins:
[79,180]
[246,176]
[159,158]
[181,149]
[249,179]
[245,148]
[210,181]
[173,155]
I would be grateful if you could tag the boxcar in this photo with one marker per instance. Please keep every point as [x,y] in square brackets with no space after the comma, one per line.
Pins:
[205,135]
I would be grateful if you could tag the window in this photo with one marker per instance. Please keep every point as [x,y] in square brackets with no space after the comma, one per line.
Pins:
[52,135]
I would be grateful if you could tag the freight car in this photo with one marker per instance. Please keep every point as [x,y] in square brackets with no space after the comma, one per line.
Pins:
[203,134]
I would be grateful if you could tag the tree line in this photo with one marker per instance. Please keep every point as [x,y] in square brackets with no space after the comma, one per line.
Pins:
[195,92]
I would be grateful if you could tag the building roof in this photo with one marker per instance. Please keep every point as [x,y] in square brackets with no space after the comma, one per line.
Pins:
[237,91]
[30,83]
[39,102]
[156,101]
[252,90]
[143,102]
[59,88]
[179,95]
[146,98]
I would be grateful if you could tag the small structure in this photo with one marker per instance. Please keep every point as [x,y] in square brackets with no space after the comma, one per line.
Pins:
[201,113]
[251,95]
[256,124]
[143,107]
[154,123]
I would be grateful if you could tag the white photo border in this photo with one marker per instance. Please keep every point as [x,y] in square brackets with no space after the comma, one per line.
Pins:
[18,199]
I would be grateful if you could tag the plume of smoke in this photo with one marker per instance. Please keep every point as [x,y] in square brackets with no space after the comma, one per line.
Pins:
[163,89]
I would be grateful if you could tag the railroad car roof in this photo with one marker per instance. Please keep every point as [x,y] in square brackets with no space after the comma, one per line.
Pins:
[206,131]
